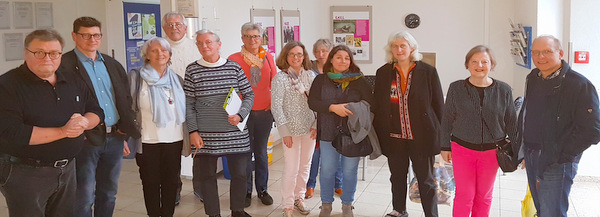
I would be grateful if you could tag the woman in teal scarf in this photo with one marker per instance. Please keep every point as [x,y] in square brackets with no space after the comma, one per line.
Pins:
[329,94]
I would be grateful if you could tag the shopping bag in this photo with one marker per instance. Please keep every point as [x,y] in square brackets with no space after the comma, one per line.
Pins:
[444,179]
[527,206]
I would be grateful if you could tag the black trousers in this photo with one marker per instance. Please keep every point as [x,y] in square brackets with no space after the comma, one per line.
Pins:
[159,170]
[206,165]
[405,150]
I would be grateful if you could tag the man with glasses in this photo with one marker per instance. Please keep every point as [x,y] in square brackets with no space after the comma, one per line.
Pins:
[44,112]
[99,162]
[184,52]
[560,120]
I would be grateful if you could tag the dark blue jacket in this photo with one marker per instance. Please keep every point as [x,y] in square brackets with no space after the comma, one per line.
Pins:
[574,123]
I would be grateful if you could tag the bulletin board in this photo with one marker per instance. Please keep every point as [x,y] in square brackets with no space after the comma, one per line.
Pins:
[352,26]
[290,26]
[266,19]
[142,22]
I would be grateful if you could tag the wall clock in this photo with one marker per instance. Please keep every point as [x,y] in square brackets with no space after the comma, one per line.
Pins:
[412,21]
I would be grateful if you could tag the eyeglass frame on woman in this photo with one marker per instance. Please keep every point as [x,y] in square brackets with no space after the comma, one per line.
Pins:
[88,36]
[37,54]
[252,36]
[296,55]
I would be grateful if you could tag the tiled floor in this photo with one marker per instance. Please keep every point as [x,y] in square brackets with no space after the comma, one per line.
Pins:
[373,196]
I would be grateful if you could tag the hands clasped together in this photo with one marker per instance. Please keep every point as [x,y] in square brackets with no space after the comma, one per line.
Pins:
[75,126]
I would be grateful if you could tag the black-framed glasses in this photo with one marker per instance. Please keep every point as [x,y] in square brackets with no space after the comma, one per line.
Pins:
[42,54]
[177,25]
[252,36]
[87,36]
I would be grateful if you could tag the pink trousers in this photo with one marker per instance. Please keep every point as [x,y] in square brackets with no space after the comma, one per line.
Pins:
[474,174]
[297,168]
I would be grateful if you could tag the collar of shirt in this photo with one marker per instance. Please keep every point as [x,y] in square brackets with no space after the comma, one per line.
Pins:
[83,58]
[551,76]
[29,75]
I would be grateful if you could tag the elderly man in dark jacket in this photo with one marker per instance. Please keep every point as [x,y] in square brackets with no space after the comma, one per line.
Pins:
[559,120]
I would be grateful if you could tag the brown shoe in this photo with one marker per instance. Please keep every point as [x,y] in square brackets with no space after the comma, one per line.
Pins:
[309,193]
[338,191]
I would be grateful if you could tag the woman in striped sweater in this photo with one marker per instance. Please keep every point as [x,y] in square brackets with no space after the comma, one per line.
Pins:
[213,132]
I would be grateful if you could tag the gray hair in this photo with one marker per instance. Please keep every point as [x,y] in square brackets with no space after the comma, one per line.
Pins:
[163,42]
[206,31]
[556,41]
[251,26]
[322,42]
[173,14]
[412,42]
[44,35]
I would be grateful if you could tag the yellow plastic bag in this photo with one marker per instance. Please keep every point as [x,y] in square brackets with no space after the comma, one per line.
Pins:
[527,206]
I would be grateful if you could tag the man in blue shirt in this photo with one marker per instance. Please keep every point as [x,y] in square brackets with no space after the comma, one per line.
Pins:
[99,162]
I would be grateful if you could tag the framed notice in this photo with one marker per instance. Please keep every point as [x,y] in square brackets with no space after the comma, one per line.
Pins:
[187,7]
[13,46]
[23,15]
[351,26]
[43,15]
[290,26]
[266,19]
[4,15]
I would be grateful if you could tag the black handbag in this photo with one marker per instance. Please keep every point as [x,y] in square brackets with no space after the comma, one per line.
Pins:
[343,144]
[504,153]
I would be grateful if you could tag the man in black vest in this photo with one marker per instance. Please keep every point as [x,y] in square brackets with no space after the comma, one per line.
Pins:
[99,163]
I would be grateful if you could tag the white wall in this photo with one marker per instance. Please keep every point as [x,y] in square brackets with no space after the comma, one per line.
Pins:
[63,23]
[585,16]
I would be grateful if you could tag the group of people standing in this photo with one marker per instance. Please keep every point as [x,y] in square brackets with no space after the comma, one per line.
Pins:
[82,108]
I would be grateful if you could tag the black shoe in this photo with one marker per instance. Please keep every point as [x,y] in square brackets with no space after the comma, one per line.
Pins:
[265,198]
[248,200]
[240,214]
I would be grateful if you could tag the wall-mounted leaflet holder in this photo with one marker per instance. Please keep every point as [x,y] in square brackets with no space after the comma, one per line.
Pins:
[520,44]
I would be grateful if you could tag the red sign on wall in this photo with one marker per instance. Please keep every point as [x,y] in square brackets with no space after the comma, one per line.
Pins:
[582,57]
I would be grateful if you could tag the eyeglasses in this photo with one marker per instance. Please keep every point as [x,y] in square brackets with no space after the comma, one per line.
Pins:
[542,52]
[87,36]
[201,44]
[177,25]
[252,36]
[296,55]
[42,54]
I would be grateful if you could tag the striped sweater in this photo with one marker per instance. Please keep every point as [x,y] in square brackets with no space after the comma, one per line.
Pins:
[206,88]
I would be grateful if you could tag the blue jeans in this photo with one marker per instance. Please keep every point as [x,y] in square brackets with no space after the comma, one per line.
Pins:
[259,128]
[98,170]
[329,164]
[550,190]
[314,170]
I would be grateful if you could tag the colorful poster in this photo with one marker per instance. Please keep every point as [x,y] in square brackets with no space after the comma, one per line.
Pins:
[290,26]
[140,24]
[266,19]
[148,26]
[351,26]
[134,25]
[134,54]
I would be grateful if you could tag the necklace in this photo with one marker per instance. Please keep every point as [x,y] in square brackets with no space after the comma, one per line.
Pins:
[168,94]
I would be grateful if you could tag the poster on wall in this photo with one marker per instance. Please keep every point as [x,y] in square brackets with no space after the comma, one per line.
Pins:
[134,25]
[13,46]
[351,26]
[187,7]
[4,15]
[140,22]
[290,26]
[43,15]
[23,15]
[266,19]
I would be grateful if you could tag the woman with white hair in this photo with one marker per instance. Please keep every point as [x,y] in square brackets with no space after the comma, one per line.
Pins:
[159,103]
[408,109]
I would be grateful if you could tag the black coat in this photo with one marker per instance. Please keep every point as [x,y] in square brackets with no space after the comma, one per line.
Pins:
[425,102]
[118,77]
